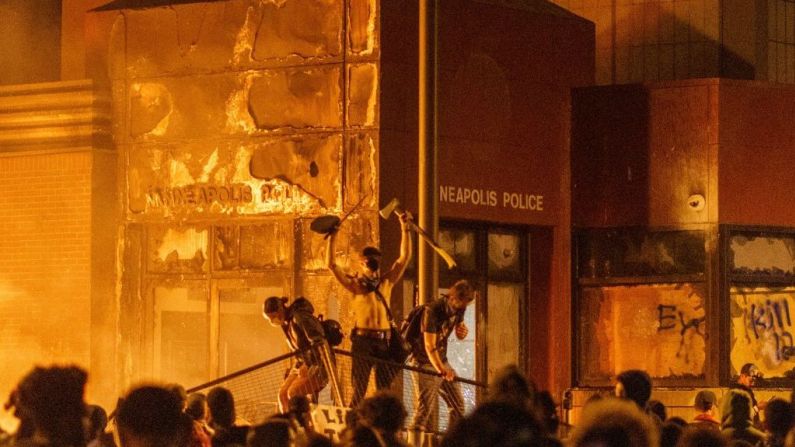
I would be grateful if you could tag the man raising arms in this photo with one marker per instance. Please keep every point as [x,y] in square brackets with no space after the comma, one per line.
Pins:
[371,330]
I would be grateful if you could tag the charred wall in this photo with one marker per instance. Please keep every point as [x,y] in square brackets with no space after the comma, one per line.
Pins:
[236,123]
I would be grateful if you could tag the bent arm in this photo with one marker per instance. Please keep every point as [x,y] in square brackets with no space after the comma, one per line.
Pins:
[338,273]
[399,267]
[431,339]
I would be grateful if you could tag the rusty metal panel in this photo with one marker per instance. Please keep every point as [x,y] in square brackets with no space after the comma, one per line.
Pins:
[640,154]
[756,153]
[679,128]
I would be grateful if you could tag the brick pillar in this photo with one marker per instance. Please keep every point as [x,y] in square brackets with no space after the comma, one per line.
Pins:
[57,189]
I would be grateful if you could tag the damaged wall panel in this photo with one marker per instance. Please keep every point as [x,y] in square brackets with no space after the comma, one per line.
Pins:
[238,122]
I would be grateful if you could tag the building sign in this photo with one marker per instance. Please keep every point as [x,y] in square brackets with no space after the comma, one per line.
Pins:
[480,197]
[229,195]
[278,176]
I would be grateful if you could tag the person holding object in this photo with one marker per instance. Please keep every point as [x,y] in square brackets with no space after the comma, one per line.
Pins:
[371,315]
[302,331]
[440,318]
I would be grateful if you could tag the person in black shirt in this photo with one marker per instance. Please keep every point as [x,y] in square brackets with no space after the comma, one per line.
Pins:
[440,318]
[303,331]
[749,375]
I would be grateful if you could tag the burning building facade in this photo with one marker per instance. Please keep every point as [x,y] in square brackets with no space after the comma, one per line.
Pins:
[150,210]
[214,132]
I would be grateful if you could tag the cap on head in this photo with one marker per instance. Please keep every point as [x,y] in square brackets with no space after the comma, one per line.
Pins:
[705,399]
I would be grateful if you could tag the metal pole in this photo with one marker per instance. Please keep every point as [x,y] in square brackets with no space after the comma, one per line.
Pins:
[428,185]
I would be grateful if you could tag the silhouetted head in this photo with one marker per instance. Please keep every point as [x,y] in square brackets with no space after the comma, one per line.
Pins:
[634,385]
[222,407]
[383,411]
[152,416]
[51,400]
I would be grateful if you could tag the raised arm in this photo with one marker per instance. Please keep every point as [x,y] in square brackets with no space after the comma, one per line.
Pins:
[399,267]
[344,279]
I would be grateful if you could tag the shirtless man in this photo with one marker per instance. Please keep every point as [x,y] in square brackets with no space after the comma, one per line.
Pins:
[370,335]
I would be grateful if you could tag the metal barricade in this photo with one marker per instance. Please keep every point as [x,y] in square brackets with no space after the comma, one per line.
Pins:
[256,388]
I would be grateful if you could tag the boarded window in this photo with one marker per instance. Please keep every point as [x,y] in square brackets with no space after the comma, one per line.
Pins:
[659,328]
[762,332]
[761,269]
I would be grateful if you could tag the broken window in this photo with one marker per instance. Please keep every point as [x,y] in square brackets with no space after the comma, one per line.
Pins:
[761,300]
[641,304]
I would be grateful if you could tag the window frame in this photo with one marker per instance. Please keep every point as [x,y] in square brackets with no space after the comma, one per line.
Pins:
[713,324]
[730,279]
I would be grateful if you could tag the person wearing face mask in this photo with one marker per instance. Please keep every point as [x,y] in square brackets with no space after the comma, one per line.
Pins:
[440,318]
[749,375]
[371,290]
[303,331]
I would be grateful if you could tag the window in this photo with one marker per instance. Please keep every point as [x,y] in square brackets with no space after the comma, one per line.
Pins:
[761,296]
[641,304]
[206,285]
[494,258]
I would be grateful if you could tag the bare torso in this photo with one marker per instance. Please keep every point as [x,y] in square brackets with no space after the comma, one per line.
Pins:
[368,312]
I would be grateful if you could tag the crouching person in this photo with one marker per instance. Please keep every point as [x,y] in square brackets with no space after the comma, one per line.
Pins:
[305,335]
[440,318]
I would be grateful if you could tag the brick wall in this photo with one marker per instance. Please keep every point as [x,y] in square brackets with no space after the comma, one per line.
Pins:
[45,223]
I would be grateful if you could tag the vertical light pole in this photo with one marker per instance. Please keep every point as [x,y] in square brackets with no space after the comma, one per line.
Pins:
[428,185]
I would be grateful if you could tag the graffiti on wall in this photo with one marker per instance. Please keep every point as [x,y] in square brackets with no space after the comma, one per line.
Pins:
[660,328]
[762,330]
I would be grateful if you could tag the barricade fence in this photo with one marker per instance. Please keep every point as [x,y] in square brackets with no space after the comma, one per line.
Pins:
[428,399]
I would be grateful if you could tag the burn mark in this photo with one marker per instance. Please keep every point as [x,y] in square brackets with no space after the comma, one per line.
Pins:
[313,169]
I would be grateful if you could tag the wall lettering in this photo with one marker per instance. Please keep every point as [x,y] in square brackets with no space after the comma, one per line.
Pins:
[195,195]
[762,330]
[772,316]
[490,198]
[660,328]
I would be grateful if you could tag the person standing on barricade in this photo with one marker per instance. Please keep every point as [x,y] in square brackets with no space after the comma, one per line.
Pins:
[437,320]
[371,291]
[304,334]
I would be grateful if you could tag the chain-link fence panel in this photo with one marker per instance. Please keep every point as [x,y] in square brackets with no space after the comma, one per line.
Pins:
[431,402]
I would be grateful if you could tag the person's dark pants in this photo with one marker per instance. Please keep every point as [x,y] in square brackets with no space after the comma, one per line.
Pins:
[427,387]
[377,348]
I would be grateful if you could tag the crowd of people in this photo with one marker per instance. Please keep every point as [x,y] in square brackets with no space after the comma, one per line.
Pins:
[49,403]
